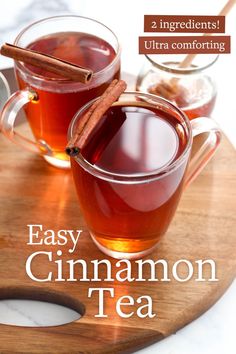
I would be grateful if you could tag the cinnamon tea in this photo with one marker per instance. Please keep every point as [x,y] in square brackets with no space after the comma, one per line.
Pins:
[60,99]
[126,207]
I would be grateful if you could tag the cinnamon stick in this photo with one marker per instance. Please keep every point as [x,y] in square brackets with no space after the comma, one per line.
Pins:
[92,117]
[84,119]
[47,62]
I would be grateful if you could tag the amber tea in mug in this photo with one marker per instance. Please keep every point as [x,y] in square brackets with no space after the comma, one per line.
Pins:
[131,173]
[80,41]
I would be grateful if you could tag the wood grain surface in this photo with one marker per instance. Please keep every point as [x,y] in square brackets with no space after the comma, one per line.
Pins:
[33,192]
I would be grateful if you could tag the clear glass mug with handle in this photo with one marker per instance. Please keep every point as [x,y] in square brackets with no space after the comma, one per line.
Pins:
[50,101]
[128,208]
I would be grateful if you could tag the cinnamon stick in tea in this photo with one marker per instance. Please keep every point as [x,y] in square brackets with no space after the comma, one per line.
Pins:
[85,117]
[47,62]
[92,117]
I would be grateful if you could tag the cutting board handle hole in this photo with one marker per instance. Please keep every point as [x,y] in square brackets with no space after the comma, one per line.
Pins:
[37,307]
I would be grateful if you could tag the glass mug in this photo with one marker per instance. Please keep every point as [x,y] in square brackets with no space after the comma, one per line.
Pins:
[129,179]
[52,101]
[192,89]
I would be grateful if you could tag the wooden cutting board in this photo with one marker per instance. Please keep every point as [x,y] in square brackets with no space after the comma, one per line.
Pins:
[32,192]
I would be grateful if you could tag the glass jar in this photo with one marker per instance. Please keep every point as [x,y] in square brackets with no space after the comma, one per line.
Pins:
[192,89]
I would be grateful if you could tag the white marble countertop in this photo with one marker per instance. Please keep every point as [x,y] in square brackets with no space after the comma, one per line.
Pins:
[214,331]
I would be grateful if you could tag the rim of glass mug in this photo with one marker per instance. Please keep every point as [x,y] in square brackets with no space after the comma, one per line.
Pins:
[138,177]
[38,78]
[194,69]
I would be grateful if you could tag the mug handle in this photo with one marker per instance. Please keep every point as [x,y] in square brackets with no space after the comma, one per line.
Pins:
[206,150]
[9,115]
